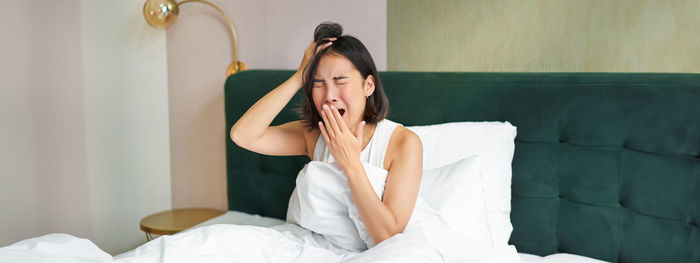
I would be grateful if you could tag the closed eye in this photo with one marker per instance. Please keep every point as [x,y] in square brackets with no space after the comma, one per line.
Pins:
[340,80]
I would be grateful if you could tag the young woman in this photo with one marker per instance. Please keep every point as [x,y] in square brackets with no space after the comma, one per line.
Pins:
[342,120]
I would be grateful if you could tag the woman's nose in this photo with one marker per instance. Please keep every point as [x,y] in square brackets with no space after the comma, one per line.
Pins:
[330,95]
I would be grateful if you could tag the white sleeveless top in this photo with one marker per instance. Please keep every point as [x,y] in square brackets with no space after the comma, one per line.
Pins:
[373,154]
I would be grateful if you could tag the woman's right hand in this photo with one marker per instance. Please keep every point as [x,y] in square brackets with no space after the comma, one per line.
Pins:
[310,52]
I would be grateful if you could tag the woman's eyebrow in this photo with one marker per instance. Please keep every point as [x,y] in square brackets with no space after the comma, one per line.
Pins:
[334,78]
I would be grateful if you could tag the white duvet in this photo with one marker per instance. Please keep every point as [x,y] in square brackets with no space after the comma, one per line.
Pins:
[288,243]
[238,243]
[318,204]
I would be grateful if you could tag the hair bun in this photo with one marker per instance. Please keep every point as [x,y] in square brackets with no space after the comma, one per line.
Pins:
[327,30]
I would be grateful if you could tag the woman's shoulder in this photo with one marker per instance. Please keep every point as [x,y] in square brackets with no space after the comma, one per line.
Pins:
[403,143]
[401,134]
[406,139]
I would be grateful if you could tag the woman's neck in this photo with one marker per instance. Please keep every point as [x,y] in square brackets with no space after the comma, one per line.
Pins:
[367,134]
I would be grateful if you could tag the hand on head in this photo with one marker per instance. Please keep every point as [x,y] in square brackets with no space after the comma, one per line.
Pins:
[313,50]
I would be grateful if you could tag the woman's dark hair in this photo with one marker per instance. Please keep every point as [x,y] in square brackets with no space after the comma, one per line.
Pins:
[377,105]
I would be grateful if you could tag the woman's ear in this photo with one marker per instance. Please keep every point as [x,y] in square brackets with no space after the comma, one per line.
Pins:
[369,86]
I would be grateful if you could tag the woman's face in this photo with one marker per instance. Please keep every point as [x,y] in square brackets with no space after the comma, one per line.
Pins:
[339,84]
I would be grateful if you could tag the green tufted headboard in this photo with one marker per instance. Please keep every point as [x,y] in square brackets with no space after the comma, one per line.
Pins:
[606,165]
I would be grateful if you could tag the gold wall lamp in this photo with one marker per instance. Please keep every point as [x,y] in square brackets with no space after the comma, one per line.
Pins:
[163,13]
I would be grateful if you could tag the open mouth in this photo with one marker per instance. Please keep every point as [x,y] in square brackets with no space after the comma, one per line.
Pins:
[341,111]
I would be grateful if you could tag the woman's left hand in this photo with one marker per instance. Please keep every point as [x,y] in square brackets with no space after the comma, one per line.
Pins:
[343,144]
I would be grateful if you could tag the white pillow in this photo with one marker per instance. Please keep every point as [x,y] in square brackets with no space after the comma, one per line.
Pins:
[456,192]
[322,202]
[494,143]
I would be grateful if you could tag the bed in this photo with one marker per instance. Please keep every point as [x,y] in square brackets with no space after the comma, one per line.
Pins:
[604,167]
[241,218]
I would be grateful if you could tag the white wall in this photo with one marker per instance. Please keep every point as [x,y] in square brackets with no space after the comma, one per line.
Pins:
[84,140]
[126,107]
[272,34]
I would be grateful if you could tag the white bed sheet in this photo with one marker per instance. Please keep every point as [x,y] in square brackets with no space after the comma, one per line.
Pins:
[213,241]
[241,218]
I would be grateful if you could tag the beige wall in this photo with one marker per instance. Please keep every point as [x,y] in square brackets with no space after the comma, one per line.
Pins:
[84,146]
[272,34]
[539,35]
[42,150]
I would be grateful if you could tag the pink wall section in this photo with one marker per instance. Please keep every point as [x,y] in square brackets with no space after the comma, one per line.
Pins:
[271,35]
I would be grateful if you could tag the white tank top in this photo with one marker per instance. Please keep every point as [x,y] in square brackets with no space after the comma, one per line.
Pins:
[373,154]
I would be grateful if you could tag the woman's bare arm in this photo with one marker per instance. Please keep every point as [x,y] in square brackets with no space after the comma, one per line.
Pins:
[390,216]
[253,131]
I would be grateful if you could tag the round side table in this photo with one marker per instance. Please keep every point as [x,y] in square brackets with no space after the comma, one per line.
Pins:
[173,221]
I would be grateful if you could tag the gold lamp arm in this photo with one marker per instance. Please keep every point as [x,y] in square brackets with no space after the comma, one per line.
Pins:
[235,65]
[162,13]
